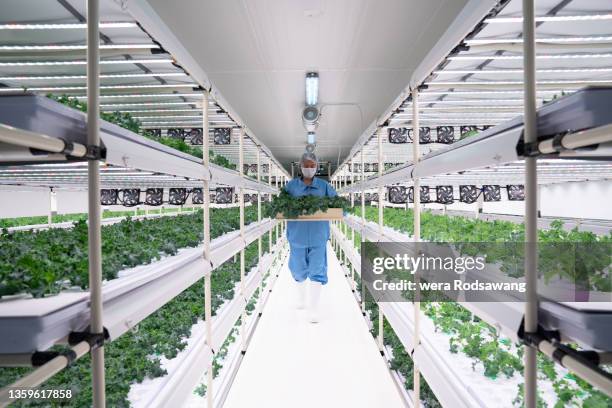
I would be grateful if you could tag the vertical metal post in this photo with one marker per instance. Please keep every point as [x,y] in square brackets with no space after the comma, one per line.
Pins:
[270,184]
[259,243]
[352,198]
[531,201]
[206,254]
[94,209]
[50,215]
[381,317]
[243,334]
[416,387]
[363,238]
[276,230]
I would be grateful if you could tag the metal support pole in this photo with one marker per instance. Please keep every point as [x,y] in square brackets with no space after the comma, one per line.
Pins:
[381,317]
[243,333]
[416,387]
[531,201]
[362,192]
[270,184]
[352,199]
[206,254]
[259,241]
[94,209]
[50,215]
[278,226]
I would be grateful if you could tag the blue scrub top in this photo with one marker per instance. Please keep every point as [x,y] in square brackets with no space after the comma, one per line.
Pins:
[305,234]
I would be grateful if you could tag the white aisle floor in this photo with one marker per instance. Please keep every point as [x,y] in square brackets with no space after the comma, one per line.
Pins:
[293,363]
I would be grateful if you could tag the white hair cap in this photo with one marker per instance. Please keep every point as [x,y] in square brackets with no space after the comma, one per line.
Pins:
[309,156]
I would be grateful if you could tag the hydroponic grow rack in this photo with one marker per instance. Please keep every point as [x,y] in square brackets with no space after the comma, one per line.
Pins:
[46,144]
[453,95]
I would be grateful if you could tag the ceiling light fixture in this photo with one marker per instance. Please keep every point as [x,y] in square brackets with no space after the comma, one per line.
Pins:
[312,88]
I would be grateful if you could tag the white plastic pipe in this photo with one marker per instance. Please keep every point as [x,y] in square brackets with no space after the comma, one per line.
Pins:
[94,210]
[207,253]
[416,194]
[531,201]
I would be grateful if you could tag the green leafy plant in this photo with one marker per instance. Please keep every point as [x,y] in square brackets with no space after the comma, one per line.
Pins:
[497,356]
[127,121]
[137,354]
[292,207]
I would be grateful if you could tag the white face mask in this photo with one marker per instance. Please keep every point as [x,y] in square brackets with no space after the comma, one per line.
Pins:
[308,172]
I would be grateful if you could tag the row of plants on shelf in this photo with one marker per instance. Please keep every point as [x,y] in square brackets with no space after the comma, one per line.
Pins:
[399,359]
[58,218]
[581,257]
[137,355]
[46,262]
[496,356]
[292,207]
[127,121]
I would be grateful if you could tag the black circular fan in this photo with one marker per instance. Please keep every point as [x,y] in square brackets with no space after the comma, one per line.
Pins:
[357,197]
[197,196]
[491,192]
[398,135]
[155,132]
[177,196]
[129,197]
[424,135]
[445,134]
[212,197]
[155,196]
[108,197]
[223,195]
[468,194]
[424,195]
[371,167]
[195,136]
[397,194]
[444,194]
[222,136]
[176,133]
[516,192]
[264,169]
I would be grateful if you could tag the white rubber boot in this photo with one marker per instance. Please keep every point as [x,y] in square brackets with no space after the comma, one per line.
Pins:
[299,294]
[314,295]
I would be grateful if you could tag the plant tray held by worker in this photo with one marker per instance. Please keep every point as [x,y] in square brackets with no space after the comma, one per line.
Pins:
[327,215]
[307,208]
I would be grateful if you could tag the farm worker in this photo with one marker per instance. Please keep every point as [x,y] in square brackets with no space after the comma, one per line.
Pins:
[308,239]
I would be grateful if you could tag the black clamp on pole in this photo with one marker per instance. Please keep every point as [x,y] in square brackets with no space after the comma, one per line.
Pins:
[94,340]
[533,339]
[41,358]
[95,152]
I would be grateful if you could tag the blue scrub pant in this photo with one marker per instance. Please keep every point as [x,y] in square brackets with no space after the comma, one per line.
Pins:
[310,262]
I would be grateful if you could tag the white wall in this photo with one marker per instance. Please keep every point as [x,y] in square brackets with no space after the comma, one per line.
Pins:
[578,200]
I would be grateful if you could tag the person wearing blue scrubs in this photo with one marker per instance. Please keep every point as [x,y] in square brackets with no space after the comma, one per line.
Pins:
[308,239]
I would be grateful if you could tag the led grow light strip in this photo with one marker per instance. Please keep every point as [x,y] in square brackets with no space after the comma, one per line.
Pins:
[65,26]
[84,62]
[584,39]
[540,56]
[54,77]
[113,106]
[139,95]
[84,88]
[520,71]
[76,47]
[572,82]
[491,92]
[133,111]
[543,19]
